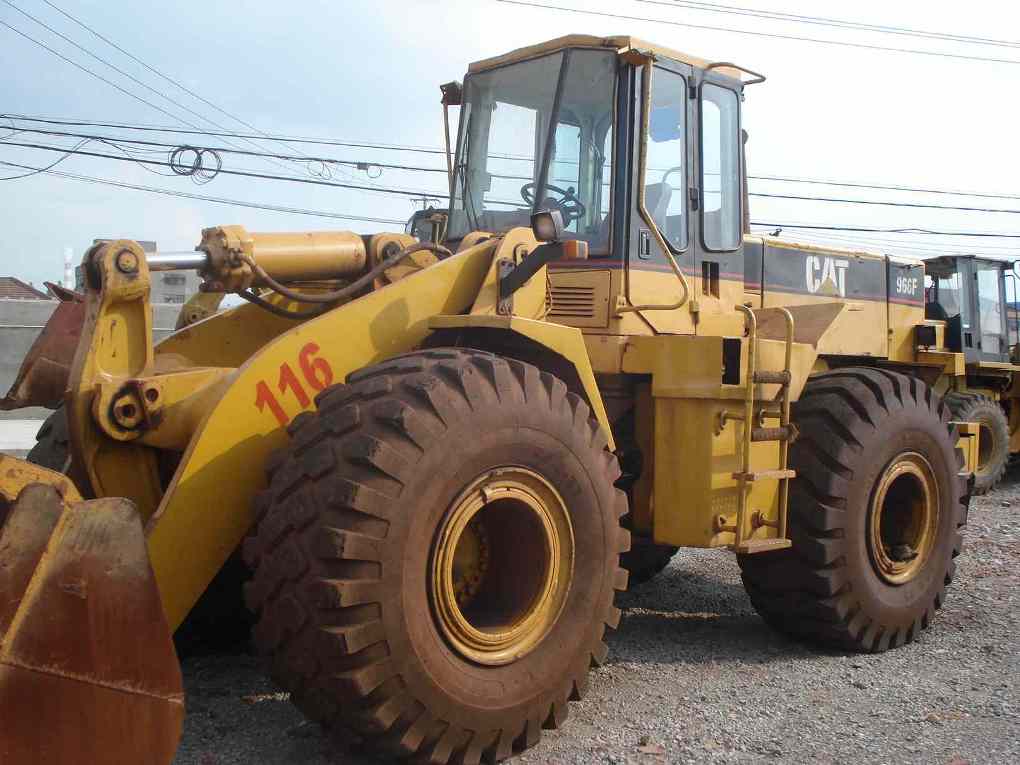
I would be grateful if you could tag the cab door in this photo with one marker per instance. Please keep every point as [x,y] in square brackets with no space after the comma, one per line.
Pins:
[718,218]
[667,180]
[985,339]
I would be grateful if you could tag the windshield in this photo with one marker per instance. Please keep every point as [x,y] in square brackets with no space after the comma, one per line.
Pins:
[503,170]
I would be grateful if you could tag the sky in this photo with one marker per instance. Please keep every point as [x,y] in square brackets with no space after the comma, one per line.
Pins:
[358,71]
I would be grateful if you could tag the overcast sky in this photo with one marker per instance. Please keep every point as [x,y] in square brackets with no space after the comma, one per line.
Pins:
[369,71]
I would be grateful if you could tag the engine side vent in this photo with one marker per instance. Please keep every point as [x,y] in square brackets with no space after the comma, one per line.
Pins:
[579,298]
[576,302]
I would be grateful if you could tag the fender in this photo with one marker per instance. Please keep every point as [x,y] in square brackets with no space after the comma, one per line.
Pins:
[207,508]
[566,342]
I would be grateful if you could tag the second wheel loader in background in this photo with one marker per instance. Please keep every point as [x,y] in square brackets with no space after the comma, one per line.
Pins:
[432,455]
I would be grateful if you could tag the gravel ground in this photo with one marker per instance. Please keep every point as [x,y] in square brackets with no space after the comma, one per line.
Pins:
[695,676]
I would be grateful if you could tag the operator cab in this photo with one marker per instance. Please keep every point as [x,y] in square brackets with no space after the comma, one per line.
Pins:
[584,125]
[969,294]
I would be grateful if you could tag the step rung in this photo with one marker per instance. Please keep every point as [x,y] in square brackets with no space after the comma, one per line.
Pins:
[782,433]
[767,377]
[766,475]
[752,546]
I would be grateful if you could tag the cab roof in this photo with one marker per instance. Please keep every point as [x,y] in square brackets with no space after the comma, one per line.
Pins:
[619,43]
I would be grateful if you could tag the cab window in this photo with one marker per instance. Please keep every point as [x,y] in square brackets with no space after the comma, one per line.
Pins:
[665,167]
[720,168]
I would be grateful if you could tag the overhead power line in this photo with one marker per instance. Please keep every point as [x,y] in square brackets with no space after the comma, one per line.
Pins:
[160,74]
[917,205]
[812,227]
[356,163]
[770,35]
[830,22]
[430,150]
[885,187]
[364,164]
[204,197]
[286,139]
[224,171]
[115,68]
[89,72]
[153,69]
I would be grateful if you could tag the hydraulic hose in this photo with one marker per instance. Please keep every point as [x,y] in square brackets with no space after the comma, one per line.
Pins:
[354,287]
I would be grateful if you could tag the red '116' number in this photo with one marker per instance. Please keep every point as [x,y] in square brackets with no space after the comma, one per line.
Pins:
[316,372]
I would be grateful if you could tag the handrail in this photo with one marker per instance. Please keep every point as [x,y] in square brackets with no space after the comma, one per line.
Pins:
[646,107]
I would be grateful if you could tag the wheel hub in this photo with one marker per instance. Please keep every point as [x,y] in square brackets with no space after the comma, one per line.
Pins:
[501,566]
[903,519]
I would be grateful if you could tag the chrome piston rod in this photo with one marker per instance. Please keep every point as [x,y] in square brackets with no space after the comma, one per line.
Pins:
[177,261]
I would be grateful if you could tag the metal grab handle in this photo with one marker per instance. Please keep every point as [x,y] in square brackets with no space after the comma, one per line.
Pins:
[646,107]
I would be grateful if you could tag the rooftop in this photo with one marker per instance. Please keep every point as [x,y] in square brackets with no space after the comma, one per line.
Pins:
[620,44]
[12,288]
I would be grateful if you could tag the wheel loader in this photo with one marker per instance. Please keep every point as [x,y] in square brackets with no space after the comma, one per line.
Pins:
[967,299]
[439,460]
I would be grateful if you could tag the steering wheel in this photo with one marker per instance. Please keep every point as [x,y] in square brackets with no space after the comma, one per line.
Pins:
[570,207]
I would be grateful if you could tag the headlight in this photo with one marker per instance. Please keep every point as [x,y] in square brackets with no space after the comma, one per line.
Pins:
[547,225]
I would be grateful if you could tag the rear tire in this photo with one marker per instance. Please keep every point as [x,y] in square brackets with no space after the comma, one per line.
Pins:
[875,514]
[994,441]
[645,560]
[353,538]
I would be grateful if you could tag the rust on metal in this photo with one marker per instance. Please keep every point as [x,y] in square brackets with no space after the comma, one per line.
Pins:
[16,474]
[88,671]
[44,373]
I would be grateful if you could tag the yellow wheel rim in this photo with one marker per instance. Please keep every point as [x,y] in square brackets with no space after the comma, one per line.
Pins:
[501,566]
[904,518]
[985,448]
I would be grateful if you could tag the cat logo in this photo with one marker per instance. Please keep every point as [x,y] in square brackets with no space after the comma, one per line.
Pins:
[826,276]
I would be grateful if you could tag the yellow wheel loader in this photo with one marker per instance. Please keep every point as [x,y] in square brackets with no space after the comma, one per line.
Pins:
[432,455]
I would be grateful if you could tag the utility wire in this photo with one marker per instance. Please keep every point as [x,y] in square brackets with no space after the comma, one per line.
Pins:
[202,197]
[407,192]
[158,73]
[879,187]
[830,22]
[881,203]
[358,163]
[244,173]
[770,35]
[930,232]
[152,69]
[365,165]
[114,68]
[286,139]
[90,72]
[54,163]
[429,150]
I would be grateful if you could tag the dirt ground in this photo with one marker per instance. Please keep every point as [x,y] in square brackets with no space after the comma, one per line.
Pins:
[695,676]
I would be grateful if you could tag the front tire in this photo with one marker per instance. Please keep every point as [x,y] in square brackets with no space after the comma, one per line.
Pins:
[875,514]
[436,556]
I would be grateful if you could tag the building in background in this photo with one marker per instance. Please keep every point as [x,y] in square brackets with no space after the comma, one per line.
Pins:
[12,288]
[174,286]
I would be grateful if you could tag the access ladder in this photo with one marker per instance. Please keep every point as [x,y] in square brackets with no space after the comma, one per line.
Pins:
[754,415]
